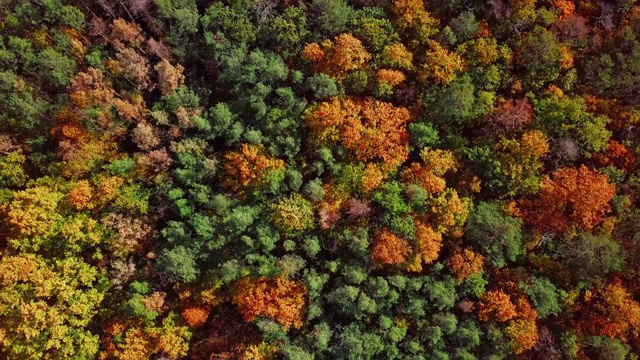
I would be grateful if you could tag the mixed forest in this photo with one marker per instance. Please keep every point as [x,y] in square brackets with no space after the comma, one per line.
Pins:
[320,179]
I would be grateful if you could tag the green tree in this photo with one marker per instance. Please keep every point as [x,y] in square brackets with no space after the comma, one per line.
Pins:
[498,236]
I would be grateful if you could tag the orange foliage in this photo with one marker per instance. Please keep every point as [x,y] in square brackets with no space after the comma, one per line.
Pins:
[617,155]
[577,196]
[339,58]
[566,58]
[466,263]
[497,305]
[613,312]
[248,168]
[371,130]
[80,195]
[389,249]
[436,163]
[390,77]
[371,177]
[281,299]
[313,53]
[565,7]
[195,316]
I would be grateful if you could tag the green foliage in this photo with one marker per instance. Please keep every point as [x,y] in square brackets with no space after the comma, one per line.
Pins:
[498,236]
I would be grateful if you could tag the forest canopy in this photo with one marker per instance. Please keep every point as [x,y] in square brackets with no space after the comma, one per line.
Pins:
[319,179]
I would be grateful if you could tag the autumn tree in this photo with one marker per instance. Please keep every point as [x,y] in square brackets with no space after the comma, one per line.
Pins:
[389,249]
[371,130]
[292,214]
[279,298]
[613,312]
[337,58]
[440,65]
[430,174]
[248,168]
[575,196]
[46,306]
[512,115]
[496,305]
[465,263]
[413,21]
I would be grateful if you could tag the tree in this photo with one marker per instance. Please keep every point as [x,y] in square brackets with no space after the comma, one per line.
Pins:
[465,263]
[413,21]
[544,296]
[594,255]
[429,175]
[292,214]
[169,77]
[498,235]
[371,130]
[575,196]
[179,264]
[46,306]
[440,65]
[496,305]
[512,115]
[337,58]
[248,168]
[330,16]
[389,249]
[279,298]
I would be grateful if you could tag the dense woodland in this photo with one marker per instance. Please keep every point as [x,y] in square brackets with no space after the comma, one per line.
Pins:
[319,179]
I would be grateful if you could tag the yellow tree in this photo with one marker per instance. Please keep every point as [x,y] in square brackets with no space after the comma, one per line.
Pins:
[413,21]
[45,307]
[440,65]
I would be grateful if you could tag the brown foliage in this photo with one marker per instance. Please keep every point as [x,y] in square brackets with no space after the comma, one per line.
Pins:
[169,76]
[134,66]
[358,208]
[227,336]
[512,115]
[279,298]
[132,235]
[126,33]
[7,144]
[574,196]
[146,136]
